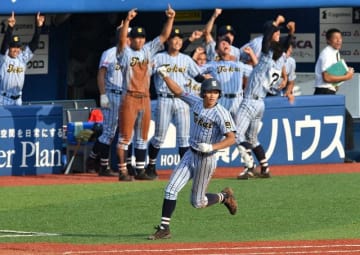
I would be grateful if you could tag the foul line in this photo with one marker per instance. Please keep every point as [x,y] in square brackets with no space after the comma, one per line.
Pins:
[15,233]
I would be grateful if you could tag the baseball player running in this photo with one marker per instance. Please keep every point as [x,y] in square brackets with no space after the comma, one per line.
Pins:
[262,80]
[134,111]
[13,61]
[213,129]
[180,68]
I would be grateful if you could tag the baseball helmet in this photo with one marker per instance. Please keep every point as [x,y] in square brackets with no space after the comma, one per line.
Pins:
[210,84]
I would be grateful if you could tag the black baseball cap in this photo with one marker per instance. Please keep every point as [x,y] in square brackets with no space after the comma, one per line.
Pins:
[223,30]
[176,32]
[15,42]
[137,32]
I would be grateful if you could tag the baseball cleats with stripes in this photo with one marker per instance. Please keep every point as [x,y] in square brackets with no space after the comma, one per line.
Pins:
[161,233]
[229,200]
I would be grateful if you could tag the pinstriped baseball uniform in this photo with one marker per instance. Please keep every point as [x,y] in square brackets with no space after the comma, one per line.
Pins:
[181,68]
[135,107]
[113,88]
[212,55]
[12,76]
[209,126]
[260,82]
[230,74]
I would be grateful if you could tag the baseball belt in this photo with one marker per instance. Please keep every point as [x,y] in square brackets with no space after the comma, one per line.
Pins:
[11,96]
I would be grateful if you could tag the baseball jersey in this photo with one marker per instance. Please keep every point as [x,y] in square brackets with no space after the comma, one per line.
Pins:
[328,56]
[113,77]
[209,124]
[255,44]
[229,73]
[181,68]
[12,72]
[137,66]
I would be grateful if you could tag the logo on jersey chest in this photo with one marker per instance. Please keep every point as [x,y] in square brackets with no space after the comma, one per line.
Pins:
[136,61]
[15,69]
[175,69]
[230,69]
[201,122]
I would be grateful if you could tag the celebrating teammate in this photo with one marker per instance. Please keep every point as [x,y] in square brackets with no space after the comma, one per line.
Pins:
[262,80]
[226,30]
[13,61]
[110,82]
[231,74]
[134,111]
[181,68]
[212,130]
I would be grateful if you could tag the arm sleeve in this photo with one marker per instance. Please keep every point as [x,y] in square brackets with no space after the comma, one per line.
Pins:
[34,44]
[6,40]
[185,45]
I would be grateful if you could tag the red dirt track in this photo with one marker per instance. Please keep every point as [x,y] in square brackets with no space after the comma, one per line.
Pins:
[351,246]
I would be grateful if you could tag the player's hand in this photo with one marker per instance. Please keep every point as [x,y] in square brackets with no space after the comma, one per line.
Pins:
[131,14]
[12,20]
[40,19]
[195,35]
[279,20]
[291,98]
[205,147]
[170,13]
[291,26]
[162,70]
[217,12]
[104,101]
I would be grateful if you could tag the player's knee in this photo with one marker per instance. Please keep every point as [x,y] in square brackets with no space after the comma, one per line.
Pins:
[170,194]
[198,203]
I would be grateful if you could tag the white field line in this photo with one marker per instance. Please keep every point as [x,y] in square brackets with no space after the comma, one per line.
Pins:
[335,248]
[15,233]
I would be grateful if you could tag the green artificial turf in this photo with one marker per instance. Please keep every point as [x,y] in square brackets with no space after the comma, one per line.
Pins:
[281,208]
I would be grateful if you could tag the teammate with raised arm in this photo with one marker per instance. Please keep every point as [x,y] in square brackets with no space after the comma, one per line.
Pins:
[135,108]
[13,61]
[263,79]
[180,68]
[210,43]
[213,129]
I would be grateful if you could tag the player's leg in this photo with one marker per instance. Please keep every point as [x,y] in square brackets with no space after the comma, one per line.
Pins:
[162,122]
[178,179]
[128,110]
[204,168]
[110,124]
[142,126]
[182,123]
[242,120]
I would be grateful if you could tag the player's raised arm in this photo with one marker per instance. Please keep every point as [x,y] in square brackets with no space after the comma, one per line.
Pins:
[124,29]
[210,24]
[170,14]
[34,44]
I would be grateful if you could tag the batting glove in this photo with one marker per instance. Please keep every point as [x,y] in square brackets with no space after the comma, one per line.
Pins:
[205,147]
[162,71]
[104,101]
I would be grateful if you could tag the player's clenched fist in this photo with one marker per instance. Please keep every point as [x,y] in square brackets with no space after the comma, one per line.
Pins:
[205,147]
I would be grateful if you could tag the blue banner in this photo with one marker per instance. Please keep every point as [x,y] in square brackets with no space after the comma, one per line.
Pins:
[31,140]
[307,132]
